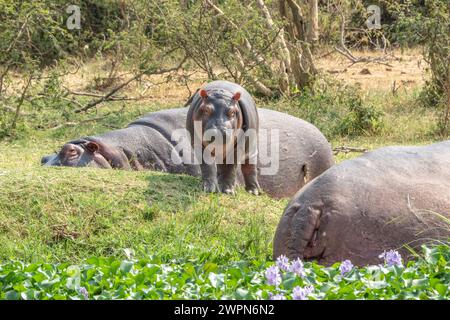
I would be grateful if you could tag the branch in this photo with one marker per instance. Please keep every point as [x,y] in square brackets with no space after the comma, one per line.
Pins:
[13,110]
[347,53]
[72,124]
[258,84]
[345,149]
[259,59]
[20,102]
[285,65]
[96,95]
[121,86]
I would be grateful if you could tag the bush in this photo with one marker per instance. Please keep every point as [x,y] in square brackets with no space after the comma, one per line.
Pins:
[428,24]
[336,109]
[101,278]
[361,119]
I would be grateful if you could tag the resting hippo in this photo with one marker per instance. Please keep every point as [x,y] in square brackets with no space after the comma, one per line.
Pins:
[223,119]
[380,201]
[146,144]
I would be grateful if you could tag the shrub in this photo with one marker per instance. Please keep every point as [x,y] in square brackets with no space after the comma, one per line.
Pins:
[428,24]
[335,108]
[100,278]
[360,119]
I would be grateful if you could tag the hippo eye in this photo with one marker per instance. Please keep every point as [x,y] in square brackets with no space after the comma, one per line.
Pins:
[206,109]
[232,113]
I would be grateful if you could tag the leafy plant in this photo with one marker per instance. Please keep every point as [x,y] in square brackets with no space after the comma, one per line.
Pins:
[360,119]
[108,278]
[336,109]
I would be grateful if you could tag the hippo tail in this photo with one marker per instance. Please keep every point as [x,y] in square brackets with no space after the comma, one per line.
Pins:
[320,160]
[295,234]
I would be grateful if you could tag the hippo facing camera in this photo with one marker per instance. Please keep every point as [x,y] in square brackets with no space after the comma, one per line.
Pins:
[221,116]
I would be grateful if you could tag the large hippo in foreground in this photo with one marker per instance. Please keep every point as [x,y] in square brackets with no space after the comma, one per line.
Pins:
[146,143]
[383,200]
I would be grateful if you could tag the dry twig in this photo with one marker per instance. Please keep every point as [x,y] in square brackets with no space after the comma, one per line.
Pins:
[345,149]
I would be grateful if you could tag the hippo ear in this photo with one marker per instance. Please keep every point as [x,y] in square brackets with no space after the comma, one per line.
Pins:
[45,159]
[92,146]
[237,96]
[203,93]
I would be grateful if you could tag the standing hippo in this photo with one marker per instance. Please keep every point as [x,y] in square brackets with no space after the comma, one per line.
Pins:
[146,144]
[383,200]
[219,118]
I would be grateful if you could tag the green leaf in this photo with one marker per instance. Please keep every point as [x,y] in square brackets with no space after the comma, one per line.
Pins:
[216,280]
[12,295]
[441,289]
[114,267]
[210,267]
[242,293]
[375,284]
[289,282]
[421,283]
[126,266]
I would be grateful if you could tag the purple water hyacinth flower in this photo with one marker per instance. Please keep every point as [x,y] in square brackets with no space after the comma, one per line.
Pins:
[84,292]
[391,258]
[299,293]
[345,267]
[273,276]
[297,268]
[283,263]
[277,296]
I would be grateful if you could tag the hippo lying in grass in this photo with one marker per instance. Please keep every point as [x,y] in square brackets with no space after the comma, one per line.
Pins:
[303,153]
[383,200]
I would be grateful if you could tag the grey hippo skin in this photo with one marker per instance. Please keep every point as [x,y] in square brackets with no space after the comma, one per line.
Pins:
[226,110]
[146,144]
[380,201]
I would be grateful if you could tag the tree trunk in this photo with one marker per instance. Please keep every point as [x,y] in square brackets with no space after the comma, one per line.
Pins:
[313,27]
[302,62]
[285,63]
[447,113]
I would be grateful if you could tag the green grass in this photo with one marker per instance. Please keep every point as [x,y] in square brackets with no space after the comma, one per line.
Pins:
[70,214]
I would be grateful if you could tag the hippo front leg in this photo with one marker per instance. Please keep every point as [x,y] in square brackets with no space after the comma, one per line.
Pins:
[250,173]
[209,177]
[227,177]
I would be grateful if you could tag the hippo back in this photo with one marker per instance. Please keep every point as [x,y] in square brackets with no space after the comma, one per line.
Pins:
[304,152]
[149,139]
[380,201]
[164,121]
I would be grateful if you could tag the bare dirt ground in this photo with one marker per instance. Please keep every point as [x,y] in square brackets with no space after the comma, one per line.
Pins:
[399,71]
[402,69]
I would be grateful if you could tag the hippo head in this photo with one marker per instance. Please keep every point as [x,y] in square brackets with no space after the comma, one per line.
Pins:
[87,153]
[220,116]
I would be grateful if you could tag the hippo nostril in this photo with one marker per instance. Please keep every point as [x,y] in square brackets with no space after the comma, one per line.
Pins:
[211,135]
[210,139]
